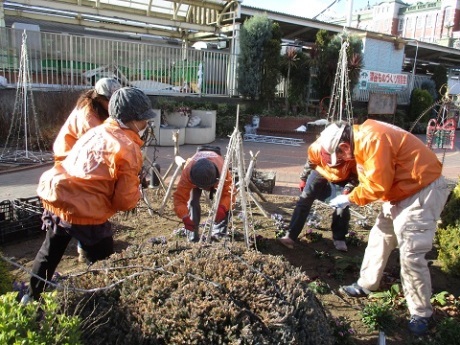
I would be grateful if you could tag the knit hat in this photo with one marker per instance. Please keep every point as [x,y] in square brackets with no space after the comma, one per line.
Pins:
[106,87]
[204,173]
[130,104]
[329,140]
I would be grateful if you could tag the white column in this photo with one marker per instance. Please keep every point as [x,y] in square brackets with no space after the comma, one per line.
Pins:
[349,12]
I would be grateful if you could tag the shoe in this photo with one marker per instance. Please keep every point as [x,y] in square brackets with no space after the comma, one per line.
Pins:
[83,256]
[26,299]
[287,242]
[340,245]
[419,325]
[193,236]
[354,290]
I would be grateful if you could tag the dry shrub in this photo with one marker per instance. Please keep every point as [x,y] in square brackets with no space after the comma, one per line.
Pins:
[48,110]
[199,295]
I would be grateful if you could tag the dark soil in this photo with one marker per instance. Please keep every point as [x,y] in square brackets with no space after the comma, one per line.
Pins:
[314,254]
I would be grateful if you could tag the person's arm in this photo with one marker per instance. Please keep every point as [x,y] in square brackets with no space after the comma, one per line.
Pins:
[181,195]
[308,167]
[126,190]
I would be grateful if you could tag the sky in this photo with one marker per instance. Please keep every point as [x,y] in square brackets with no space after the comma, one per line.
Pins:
[310,8]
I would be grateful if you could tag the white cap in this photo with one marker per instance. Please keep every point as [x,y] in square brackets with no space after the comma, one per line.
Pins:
[329,140]
[107,86]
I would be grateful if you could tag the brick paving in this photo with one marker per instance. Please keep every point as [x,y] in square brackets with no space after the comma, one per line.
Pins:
[286,161]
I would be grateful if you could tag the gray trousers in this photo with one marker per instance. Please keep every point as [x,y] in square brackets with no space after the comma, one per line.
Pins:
[409,224]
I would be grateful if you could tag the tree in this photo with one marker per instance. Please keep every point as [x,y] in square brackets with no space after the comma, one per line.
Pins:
[326,55]
[290,58]
[419,102]
[255,33]
[296,70]
[440,78]
[271,65]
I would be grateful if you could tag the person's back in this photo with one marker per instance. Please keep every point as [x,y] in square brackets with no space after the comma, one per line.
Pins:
[98,177]
[401,163]
[90,111]
[88,176]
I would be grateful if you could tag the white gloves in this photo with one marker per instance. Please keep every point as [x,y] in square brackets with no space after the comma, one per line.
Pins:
[340,201]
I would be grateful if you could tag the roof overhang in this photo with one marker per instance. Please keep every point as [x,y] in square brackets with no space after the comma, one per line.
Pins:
[305,30]
[182,19]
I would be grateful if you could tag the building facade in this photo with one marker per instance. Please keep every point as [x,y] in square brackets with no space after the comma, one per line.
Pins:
[435,22]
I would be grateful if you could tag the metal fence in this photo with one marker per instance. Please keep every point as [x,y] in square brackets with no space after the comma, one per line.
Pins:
[69,61]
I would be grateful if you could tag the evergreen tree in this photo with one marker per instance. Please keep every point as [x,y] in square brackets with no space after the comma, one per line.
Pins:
[326,55]
[255,33]
[271,67]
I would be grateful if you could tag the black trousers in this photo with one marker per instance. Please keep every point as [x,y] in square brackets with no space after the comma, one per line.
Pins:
[53,247]
[195,212]
[318,188]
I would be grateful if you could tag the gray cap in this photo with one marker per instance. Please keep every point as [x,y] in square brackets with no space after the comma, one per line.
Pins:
[107,86]
[130,104]
[204,173]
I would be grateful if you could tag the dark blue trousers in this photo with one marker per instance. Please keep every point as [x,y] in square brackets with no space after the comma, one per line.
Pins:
[318,188]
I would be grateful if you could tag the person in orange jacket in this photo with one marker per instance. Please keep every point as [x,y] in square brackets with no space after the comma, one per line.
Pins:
[202,172]
[90,111]
[320,180]
[99,177]
[396,167]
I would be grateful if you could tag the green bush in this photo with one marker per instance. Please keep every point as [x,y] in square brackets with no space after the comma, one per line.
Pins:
[448,234]
[6,283]
[36,323]
[379,317]
[420,102]
[449,249]
[447,332]
[451,212]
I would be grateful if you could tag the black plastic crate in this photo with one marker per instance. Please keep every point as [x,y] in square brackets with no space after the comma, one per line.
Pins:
[6,212]
[264,180]
[26,207]
[20,219]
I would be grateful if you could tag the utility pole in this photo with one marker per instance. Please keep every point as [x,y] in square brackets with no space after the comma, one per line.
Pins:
[349,12]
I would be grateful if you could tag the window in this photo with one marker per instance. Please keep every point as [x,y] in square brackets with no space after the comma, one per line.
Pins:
[429,21]
[419,21]
[401,24]
[409,23]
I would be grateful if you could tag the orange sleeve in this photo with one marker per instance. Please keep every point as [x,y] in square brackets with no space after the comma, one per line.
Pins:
[377,170]
[181,195]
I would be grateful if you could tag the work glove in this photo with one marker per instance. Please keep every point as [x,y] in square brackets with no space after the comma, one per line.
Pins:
[188,223]
[340,201]
[302,185]
[220,214]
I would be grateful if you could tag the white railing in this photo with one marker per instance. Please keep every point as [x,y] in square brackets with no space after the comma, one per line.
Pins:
[59,61]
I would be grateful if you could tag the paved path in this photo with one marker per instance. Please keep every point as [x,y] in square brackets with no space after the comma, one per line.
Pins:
[286,161]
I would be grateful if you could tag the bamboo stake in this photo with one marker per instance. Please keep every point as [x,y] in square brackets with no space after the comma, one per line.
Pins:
[220,186]
[180,162]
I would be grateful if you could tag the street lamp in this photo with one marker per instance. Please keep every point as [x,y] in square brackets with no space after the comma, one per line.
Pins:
[413,69]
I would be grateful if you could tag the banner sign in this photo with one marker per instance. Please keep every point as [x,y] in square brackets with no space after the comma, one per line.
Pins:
[372,80]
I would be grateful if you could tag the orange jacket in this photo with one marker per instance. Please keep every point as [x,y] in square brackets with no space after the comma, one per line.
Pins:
[98,178]
[339,173]
[184,187]
[392,163]
[78,123]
